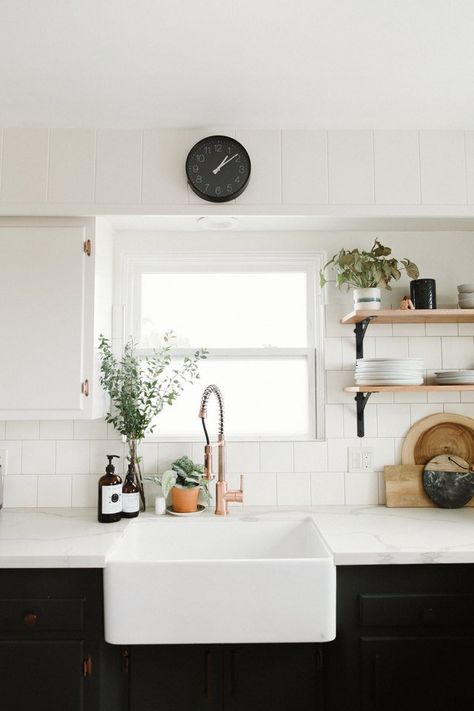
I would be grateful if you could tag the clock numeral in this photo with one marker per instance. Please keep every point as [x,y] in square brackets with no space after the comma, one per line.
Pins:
[229,187]
[195,168]
[198,178]
[237,180]
[218,190]
[241,169]
[237,160]
[207,149]
[218,147]
[206,187]
[201,157]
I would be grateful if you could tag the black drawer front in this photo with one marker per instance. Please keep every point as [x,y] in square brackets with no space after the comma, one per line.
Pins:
[32,616]
[436,609]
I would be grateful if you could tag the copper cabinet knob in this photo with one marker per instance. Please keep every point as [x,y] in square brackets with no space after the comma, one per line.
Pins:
[30,619]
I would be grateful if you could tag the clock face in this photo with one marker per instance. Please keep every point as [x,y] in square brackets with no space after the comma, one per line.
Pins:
[218,168]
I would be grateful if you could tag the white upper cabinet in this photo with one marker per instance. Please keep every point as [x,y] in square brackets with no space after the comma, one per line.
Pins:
[55,299]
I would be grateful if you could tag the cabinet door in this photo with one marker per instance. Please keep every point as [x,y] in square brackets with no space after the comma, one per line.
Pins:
[417,674]
[280,677]
[44,676]
[43,282]
[175,678]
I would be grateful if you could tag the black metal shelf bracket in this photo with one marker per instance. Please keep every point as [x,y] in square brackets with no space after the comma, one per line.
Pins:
[359,330]
[361,400]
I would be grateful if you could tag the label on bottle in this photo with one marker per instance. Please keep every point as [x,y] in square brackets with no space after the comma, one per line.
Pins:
[130,502]
[112,499]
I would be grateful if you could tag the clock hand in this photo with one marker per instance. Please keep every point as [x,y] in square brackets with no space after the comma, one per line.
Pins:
[224,162]
[216,170]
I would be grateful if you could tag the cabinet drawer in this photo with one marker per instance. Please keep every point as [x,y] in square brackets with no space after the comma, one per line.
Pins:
[416,609]
[33,616]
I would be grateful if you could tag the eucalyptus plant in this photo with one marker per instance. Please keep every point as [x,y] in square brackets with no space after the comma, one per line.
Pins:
[140,387]
[361,269]
[184,474]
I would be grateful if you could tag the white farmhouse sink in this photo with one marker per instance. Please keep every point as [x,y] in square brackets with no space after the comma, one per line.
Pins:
[220,581]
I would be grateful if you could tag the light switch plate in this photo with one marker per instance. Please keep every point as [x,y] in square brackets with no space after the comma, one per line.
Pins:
[361,459]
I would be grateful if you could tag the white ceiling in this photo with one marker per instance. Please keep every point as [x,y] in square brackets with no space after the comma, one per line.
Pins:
[246,63]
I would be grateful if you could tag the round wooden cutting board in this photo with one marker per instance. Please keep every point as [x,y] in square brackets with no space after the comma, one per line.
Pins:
[443,433]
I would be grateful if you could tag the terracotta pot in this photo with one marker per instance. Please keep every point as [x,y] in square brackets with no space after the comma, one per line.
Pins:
[185,500]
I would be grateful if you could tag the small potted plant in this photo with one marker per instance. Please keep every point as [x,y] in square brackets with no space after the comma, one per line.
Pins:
[185,480]
[367,273]
[139,389]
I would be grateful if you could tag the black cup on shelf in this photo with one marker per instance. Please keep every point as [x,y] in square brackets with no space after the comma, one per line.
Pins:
[423,293]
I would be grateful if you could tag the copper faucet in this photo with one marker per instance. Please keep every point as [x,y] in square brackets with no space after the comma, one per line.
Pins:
[223,496]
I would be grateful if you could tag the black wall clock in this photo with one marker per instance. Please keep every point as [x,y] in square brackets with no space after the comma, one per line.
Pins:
[218,168]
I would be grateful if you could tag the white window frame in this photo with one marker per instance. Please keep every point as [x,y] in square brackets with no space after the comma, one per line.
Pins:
[133,264]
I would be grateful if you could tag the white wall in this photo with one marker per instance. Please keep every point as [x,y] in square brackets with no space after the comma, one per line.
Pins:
[115,171]
[58,463]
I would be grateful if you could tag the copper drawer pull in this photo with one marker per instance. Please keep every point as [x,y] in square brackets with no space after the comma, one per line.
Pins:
[30,619]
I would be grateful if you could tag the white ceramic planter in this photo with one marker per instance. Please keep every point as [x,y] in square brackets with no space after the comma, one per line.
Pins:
[367,298]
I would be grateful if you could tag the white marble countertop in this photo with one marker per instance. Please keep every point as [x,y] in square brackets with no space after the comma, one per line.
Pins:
[355,535]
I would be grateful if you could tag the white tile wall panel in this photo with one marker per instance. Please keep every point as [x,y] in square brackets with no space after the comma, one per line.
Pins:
[336,381]
[304,167]
[260,489]
[55,491]
[276,457]
[14,450]
[337,453]
[428,348]
[334,421]
[73,457]
[410,397]
[393,420]
[2,430]
[443,168]
[294,489]
[164,177]
[394,347]
[417,412]
[98,456]
[71,165]
[84,491]
[351,167]
[149,456]
[26,429]
[118,166]
[24,165]
[333,353]
[90,429]
[21,490]
[469,142]
[397,167]
[264,148]
[169,451]
[464,408]
[38,457]
[362,489]
[440,397]
[442,329]
[56,429]
[457,352]
[327,489]
[242,456]
[310,456]
[409,329]
[384,450]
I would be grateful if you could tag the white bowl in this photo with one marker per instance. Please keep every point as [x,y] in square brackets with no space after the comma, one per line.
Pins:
[466,288]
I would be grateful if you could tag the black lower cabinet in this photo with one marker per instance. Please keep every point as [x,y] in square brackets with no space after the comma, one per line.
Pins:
[405,639]
[243,677]
[52,653]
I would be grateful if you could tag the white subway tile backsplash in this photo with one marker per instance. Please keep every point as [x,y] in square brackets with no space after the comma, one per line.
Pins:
[458,352]
[90,429]
[2,429]
[294,489]
[410,397]
[393,420]
[72,457]
[465,408]
[276,456]
[13,448]
[310,456]
[56,429]
[409,329]
[260,489]
[441,329]
[391,347]
[465,329]
[148,451]
[21,490]
[54,491]
[417,412]
[334,421]
[338,453]
[169,451]
[427,348]
[98,456]
[22,429]
[336,381]
[327,489]
[242,457]
[38,457]
[84,490]
[333,353]
[442,397]
[362,489]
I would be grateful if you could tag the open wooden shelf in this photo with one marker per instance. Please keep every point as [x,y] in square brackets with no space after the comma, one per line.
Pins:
[404,388]
[411,316]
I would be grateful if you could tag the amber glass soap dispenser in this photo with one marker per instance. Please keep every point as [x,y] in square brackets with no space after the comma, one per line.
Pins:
[110,494]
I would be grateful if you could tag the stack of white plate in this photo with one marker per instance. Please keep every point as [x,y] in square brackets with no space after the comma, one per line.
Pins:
[466,296]
[455,377]
[389,371]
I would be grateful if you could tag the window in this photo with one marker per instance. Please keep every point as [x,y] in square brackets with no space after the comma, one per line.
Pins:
[257,318]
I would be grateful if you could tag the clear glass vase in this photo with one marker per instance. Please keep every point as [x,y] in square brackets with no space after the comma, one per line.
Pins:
[134,459]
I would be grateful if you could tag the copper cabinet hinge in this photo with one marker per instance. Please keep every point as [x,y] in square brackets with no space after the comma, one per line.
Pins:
[88,247]
[125,661]
[87,666]
[85,388]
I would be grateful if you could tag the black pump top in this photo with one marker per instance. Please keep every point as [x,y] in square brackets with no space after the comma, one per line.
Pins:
[110,469]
